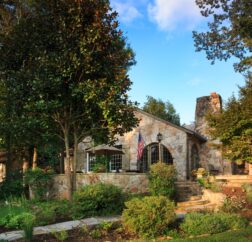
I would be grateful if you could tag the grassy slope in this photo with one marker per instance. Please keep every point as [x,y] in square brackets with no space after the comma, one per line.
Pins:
[244,235]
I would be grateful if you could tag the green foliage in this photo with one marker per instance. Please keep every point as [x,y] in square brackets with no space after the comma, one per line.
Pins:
[234,126]
[61,235]
[76,75]
[162,110]
[28,221]
[18,221]
[241,235]
[229,33]
[213,186]
[148,217]
[233,205]
[39,181]
[101,164]
[98,199]
[248,190]
[211,223]
[50,211]
[162,179]
[12,185]
[96,233]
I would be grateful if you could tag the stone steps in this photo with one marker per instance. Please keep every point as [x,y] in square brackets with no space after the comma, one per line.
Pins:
[187,189]
[192,203]
[195,208]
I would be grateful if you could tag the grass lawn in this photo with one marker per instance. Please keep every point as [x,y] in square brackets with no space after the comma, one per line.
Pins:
[243,235]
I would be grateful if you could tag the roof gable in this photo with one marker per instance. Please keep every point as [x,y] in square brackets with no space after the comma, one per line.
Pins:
[188,131]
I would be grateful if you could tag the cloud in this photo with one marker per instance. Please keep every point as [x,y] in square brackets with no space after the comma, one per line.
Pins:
[127,11]
[172,14]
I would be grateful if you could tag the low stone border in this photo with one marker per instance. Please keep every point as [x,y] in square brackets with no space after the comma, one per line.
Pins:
[18,234]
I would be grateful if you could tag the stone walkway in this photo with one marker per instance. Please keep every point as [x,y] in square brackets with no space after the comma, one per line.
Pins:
[13,235]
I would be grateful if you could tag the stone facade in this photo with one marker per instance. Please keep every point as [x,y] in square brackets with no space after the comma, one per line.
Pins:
[188,148]
[176,140]
[129,182]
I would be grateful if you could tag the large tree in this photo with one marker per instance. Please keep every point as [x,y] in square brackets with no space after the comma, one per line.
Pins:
[230,31]
[161,109]
[74,61]
[234,126]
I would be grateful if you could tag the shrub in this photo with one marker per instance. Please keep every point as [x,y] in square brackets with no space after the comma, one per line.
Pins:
[61,235]
[19,221]
[39,181]
[248,190]
[28,221]
[148,217]
[12,185]
[211,223]
[233,205]
[162,179]
[97,199]
[45,214]
[9,215]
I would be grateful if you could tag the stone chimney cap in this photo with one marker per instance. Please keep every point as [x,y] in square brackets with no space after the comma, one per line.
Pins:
[214,95]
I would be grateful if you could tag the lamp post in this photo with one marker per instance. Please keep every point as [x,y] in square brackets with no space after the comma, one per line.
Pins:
[159,139]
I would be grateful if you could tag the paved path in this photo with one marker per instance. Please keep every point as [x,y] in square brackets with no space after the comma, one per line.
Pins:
[13,235]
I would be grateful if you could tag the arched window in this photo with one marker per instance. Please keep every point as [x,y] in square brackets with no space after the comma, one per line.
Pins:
[151,156]
[195,158]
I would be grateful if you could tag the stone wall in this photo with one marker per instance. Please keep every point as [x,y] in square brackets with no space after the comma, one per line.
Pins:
[129,182]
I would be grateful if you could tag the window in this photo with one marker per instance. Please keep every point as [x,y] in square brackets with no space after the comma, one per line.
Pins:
[91,162]
[194,158]
[151,156]
[116,160]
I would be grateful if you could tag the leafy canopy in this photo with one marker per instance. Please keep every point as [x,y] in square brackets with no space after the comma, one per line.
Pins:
[230,31]
[234,125]
[161,109]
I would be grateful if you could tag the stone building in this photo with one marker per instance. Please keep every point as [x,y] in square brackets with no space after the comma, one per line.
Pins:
[186,148]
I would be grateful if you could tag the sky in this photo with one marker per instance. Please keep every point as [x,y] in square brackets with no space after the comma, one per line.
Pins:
[168,67]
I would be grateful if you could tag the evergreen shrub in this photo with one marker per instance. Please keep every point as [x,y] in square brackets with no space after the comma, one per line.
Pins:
[148,217]
[97,199]
[162,180]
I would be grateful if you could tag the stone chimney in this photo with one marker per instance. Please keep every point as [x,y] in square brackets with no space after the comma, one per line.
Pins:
[205,105]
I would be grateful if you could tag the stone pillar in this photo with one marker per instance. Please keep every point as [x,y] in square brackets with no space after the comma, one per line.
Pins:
[210,153]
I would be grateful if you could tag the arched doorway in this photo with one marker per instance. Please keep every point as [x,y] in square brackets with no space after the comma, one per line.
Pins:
[151,156]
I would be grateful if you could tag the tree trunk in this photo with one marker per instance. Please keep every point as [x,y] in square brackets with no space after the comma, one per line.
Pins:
[75,159]
[35,157]
[68,194]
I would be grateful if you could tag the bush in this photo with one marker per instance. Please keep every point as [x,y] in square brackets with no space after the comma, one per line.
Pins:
[97,199]
[12,185]
[39,181]
[49,212]
[162,179]
[211,223]
[27,225]
[148,217]
[17,220]
[248,189]
[233,205]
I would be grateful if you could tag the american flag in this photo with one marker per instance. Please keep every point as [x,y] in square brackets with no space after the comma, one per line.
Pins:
[140,147]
